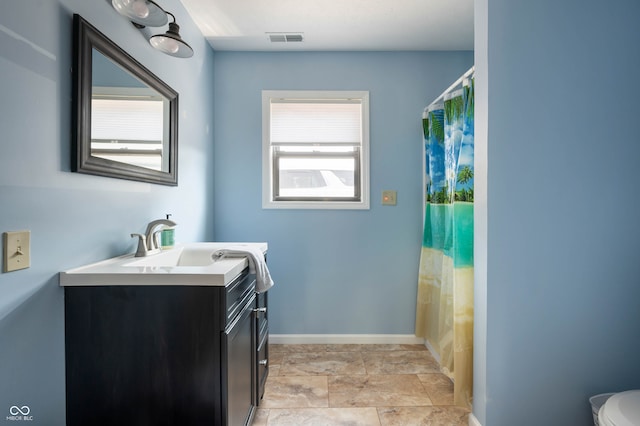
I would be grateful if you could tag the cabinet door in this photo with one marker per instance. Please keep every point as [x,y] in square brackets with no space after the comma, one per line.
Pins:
[142,355]
[262,346]
[237,344]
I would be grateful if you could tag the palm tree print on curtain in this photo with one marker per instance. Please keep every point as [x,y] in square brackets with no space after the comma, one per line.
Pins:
[444,314]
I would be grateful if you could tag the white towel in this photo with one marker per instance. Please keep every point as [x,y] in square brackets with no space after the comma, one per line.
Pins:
[257,264]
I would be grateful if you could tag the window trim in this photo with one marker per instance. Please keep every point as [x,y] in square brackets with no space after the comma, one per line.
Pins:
[268,199]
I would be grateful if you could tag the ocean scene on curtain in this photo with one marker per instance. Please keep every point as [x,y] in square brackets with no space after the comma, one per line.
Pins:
[444,314]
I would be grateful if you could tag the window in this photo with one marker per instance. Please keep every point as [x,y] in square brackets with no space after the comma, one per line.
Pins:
[315,149]
[127,126]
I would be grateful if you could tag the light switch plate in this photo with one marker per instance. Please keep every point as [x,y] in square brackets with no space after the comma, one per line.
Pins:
[17,250]
[388,198]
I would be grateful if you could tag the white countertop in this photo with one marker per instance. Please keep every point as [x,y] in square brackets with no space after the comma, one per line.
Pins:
[185,264]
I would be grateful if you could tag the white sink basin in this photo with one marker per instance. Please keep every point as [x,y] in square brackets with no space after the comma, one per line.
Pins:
[182,256]
[188,264]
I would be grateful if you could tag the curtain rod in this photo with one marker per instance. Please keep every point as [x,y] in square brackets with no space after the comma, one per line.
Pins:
[453,86]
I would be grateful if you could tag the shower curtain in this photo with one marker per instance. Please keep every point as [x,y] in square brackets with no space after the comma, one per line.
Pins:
[444,314]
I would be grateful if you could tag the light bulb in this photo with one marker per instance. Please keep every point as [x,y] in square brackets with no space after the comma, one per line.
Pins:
[140,8]
[167,44]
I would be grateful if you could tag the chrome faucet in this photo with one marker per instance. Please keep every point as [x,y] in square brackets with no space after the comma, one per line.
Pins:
[148,243]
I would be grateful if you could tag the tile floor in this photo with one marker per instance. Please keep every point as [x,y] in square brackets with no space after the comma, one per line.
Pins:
[366,385]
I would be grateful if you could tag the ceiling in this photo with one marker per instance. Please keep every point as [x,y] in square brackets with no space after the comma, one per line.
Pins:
[335,25]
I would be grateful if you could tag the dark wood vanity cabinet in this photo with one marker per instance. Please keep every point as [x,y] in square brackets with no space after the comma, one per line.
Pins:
[165,355]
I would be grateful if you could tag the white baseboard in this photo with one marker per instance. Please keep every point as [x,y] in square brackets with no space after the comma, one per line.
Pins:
[473,421]
[337,339]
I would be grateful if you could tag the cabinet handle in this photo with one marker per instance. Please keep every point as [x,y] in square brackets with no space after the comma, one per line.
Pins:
[264,310]
[263,362]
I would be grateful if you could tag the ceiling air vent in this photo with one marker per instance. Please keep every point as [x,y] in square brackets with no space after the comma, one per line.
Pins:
[286,37]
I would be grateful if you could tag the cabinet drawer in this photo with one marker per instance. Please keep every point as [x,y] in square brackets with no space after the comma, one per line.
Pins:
[261,299]
[261,311]
[237,294]
[262,356]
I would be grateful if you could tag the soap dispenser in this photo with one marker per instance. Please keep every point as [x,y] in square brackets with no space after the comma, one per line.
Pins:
[167,236]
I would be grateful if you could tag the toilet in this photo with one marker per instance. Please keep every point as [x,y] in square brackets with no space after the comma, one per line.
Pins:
[621,409]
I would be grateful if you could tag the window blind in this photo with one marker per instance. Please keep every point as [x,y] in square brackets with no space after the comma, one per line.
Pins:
[118,119]
[316,122]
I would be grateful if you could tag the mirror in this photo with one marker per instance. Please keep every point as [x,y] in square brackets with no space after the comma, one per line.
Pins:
[126,118]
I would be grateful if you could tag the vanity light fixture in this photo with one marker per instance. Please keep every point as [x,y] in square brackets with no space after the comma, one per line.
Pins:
[148,13]
[170,42]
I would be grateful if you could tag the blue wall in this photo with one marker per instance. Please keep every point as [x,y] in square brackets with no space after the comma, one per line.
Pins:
[76,219]
[336,272]
[559,290]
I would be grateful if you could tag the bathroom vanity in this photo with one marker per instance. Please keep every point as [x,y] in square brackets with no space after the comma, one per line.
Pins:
[163,353]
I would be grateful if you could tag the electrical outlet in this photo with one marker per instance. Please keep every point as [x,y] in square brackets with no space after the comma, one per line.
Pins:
[17,250]
[388,198]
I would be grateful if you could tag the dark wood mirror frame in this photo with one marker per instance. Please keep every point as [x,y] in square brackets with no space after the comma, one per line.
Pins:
[87,38]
